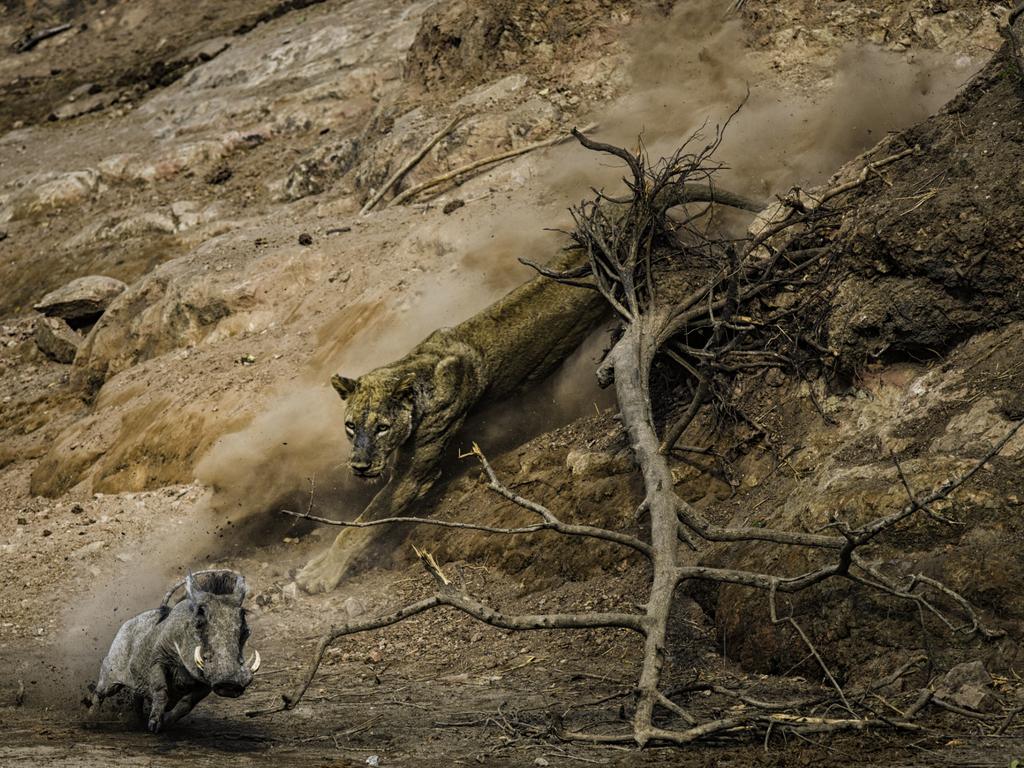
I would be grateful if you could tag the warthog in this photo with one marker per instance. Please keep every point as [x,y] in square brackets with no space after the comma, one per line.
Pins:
[172,657]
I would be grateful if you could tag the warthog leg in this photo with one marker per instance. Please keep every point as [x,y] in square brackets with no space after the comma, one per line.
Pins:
[157,696]
[183,707]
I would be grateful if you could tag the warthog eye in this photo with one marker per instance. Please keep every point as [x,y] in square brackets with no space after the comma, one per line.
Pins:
[382,428]
[350,428]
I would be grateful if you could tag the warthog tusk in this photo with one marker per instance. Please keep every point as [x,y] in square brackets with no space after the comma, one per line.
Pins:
[198,657]
[254,661]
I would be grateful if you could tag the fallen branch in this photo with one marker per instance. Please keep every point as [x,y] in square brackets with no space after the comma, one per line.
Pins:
[470,167]
[449,596]
[410,164]
[31,39]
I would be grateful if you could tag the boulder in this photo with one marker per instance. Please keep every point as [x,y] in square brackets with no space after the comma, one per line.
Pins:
[968,685]
[56,339]
[317,171]
[596,464]
[83,106]
[81,301]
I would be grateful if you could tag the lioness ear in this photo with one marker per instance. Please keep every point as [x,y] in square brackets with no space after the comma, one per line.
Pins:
[405,386]
[344,387]
[449,371]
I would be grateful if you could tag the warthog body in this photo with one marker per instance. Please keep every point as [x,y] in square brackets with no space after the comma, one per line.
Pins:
[172,657]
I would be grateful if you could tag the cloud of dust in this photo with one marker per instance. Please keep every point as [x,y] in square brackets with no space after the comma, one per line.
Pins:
[693,68]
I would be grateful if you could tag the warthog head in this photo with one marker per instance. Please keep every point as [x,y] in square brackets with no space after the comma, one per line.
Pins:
[211,643]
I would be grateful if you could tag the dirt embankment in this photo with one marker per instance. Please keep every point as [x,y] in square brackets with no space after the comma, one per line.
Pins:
[222,181]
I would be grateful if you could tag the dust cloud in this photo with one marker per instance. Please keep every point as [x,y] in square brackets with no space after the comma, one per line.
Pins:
[693,68]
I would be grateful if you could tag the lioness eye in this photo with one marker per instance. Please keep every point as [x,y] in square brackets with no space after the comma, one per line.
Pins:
[382,428]
[350,427]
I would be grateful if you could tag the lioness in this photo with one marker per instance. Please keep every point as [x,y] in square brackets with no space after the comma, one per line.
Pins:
[400,417]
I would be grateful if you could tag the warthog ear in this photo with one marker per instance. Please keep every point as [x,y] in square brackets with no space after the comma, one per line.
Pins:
[239,593]
[344,387]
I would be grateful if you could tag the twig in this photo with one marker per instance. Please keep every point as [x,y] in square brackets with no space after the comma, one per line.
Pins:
[552,524]
[30,39]
[810,646]
[410,164]
[1013,712]
[470,167]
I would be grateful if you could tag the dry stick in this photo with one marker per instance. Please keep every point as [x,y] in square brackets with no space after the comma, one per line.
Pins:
[1013,712]
[868,532]
[671,706]
[551,523]
[690,517]
[410,164]
[450,597]
[810,646]
[31,40]
[413,191]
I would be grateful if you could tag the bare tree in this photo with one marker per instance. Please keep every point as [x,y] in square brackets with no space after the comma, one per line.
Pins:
[634,251]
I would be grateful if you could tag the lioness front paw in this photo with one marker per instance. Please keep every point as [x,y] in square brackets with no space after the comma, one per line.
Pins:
[156,722]
[323,573]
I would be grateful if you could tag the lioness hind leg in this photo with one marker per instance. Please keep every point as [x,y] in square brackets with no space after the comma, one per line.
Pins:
[325,571]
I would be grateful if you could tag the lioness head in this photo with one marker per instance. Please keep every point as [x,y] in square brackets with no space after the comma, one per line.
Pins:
[378,419]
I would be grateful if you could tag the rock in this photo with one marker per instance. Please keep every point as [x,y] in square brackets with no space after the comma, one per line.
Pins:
[143,224]
[593,464]
[305,239]
[83,106]
[181,208]
[56,339]
[88,549]
[188,214]
[201,52]
[354,607]
[290,592]
[219,175]
[81,301]
[968,685]
[56,191]
[319,170]
[972,433]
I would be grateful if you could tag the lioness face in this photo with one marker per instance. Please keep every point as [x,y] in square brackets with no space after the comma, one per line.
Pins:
[377,421]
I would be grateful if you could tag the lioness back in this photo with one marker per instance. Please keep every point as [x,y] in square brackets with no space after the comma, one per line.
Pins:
[524,336]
